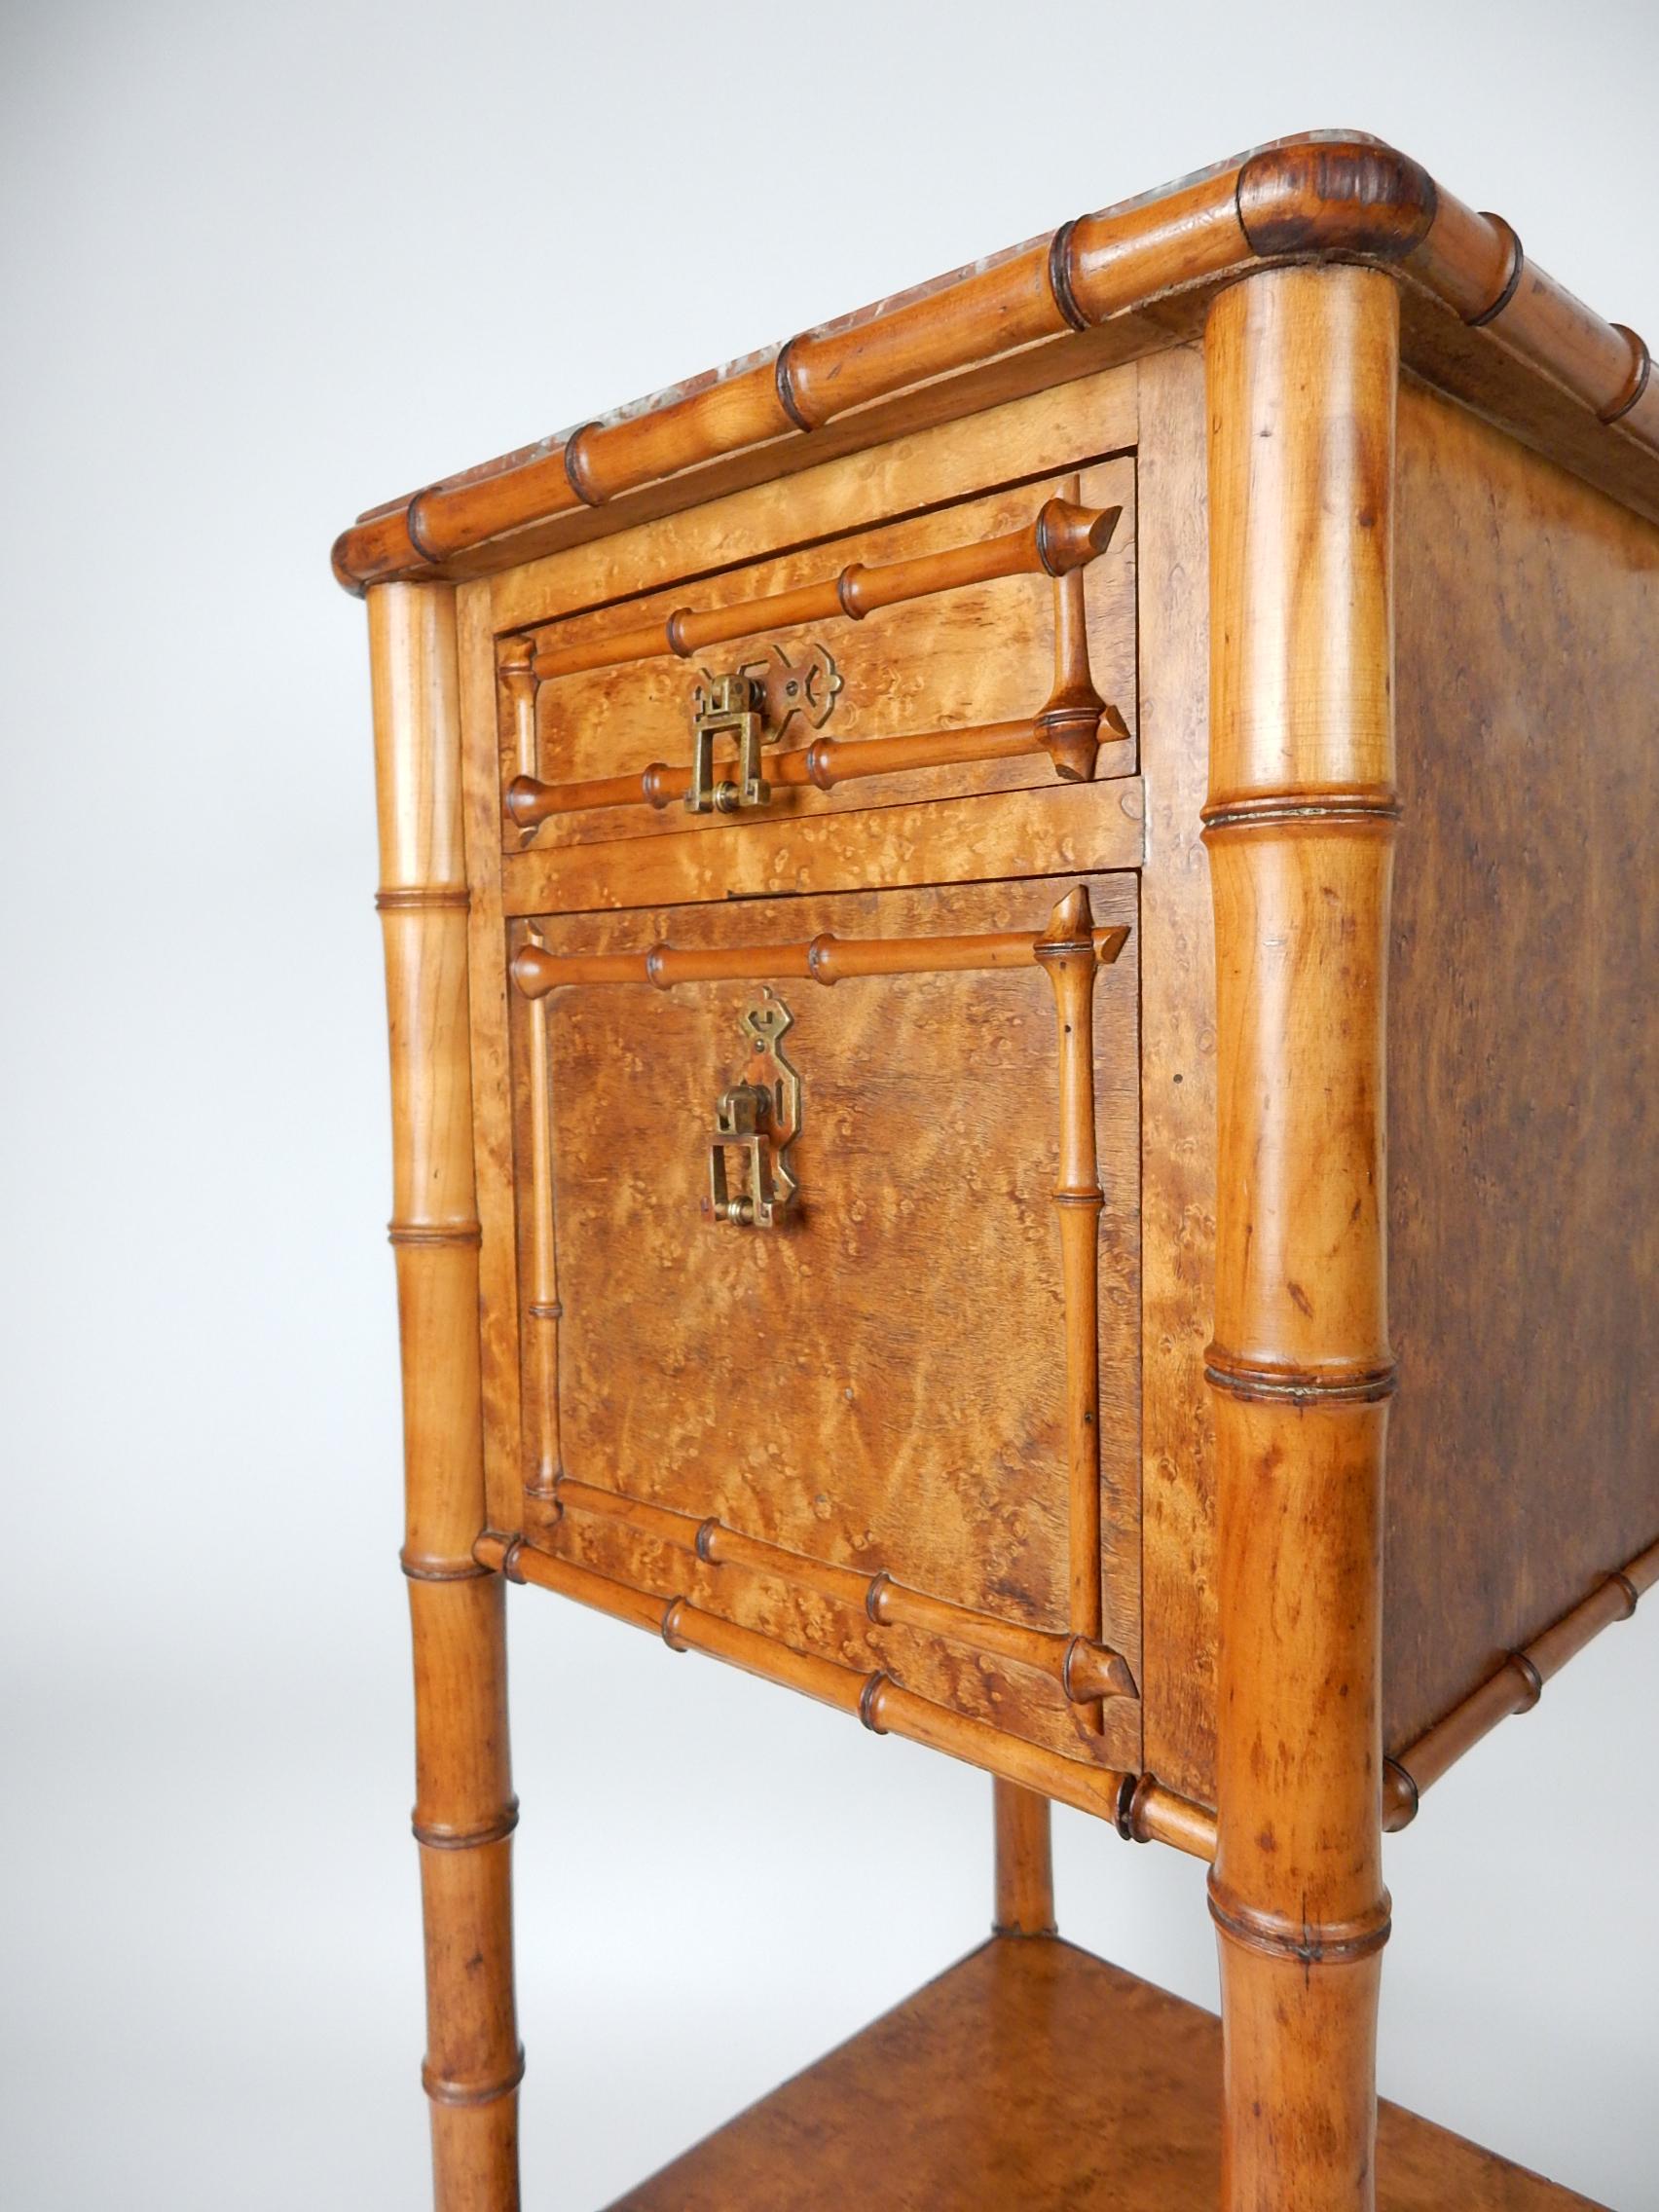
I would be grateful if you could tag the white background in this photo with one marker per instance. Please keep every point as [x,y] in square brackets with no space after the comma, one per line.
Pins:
[262,266]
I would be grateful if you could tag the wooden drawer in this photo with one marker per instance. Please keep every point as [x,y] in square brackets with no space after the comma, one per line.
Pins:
[984,644]
[876,1386]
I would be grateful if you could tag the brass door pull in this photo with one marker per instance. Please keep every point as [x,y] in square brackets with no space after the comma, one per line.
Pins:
[752,707]
[758,1117]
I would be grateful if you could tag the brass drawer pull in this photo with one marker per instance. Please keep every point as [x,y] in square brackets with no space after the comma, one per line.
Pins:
[754,706]
[758,1117]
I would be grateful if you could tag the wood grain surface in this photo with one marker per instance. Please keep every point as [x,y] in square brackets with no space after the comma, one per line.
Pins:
[983,652]
[881,1380]
[1033,2077]
[1523,1221]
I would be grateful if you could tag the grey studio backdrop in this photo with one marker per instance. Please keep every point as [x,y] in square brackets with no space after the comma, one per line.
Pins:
[263,267]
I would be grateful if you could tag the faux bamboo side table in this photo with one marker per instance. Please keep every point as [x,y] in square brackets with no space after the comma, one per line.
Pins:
[997,921]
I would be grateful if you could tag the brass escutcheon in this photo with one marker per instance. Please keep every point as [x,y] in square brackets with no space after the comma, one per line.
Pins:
[760,1118]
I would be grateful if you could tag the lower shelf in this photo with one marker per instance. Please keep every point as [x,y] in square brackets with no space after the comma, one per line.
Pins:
[1033,2077]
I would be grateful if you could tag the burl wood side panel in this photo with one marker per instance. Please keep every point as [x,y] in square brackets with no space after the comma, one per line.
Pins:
[1033,2077]
[1524,1218]
[878,1381]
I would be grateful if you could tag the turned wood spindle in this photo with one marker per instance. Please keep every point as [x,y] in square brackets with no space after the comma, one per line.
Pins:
[1024,1862]
[545,1312]
[1067,956]
[1069,724]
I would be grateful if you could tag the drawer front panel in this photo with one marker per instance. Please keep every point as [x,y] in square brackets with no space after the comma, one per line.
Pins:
[937,692]
[878,1382]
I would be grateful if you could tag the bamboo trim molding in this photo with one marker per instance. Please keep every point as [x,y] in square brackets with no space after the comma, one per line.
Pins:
[824,959]
[1084,1669]
[1516,1687]
[1066,955]
[824,764]
[1138,1806]
[1060,539]
[1552,371]
[544,1311]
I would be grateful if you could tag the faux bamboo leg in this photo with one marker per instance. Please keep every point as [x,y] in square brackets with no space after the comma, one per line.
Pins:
[1026,1863]
[464,1809]
[1301,367]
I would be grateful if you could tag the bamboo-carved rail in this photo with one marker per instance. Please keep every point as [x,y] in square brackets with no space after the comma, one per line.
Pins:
[544,1311]
[1318,197]
[1138,1806]
[823,959]
[1061,537]
[1067,956]
[1086,1669]
[1516,1687]
[1067,728]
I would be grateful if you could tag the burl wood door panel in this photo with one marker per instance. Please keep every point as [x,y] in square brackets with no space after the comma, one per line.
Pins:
[908,650]
[880,1381]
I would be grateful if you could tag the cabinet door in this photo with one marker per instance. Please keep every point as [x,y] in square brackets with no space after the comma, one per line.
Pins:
[792,1274]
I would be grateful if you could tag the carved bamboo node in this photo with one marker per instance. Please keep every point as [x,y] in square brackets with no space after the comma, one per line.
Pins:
[438,1838]
[1060,276]
[417,898]
[421,1567]
[1123,1819]
[1631,1594]
[670,1635]
[1516,268]
[548,1311]
[575,469]
[512,1566]
[1276,810]
[1355,1384]
[706,1531]
[784,384]
[1329,1943]
[1531,1679]
[875,1598]
[1640,367]
[433,1232]
[446,2091]
[869,1702]
[820,957]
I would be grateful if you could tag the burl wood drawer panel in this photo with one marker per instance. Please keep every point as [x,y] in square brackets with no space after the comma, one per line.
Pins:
[878,1381]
